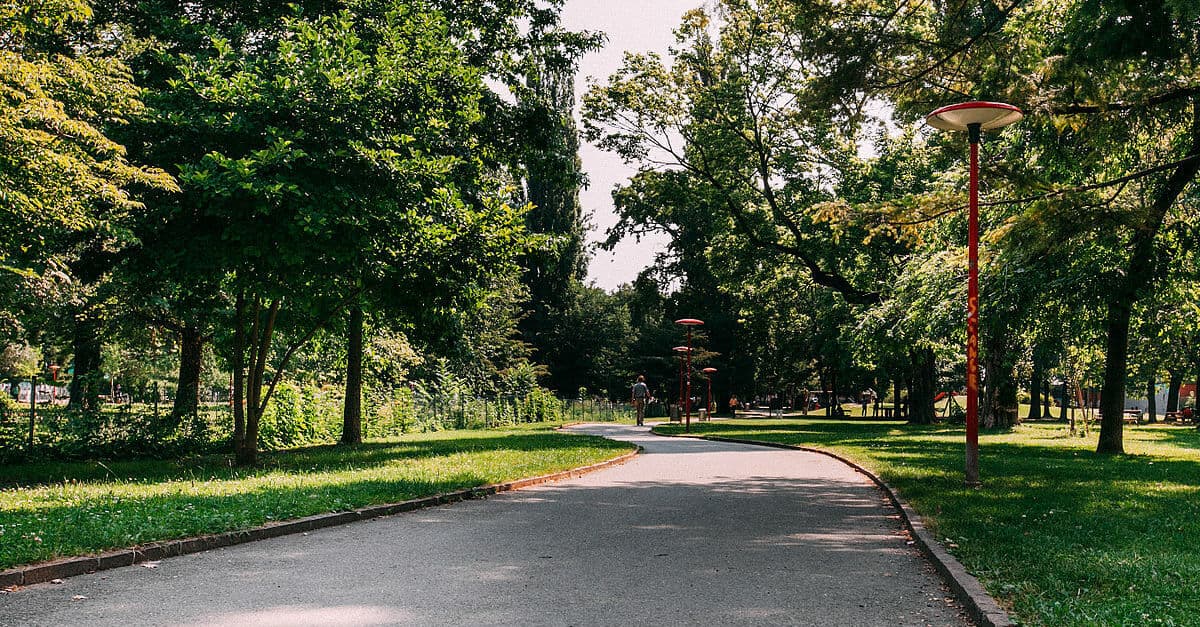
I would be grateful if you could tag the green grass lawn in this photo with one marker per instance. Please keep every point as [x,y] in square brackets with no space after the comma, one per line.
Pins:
[1059,534]
[63,509]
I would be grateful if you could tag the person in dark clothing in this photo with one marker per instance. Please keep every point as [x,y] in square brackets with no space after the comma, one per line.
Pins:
[639,396]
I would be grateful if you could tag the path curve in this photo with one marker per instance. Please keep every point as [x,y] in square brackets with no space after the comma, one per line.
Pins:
[691,531]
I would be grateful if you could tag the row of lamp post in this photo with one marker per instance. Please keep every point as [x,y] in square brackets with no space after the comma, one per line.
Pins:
[974,118]
[685,378]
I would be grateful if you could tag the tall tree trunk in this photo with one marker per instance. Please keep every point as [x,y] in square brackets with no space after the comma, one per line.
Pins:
[896,401]
[922,386]
[1035,392]
[1112,397]
[999,407]
[352,409]
[1139,273]
[187,390]
[85,382]
[1063,408]
[1046,399]
[1151,402]
[823,379]
[1173,385]
[254,416]
[239,372]
[262,331]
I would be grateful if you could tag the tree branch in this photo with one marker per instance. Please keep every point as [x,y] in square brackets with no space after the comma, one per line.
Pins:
[956,50]
[1060,192]
[1175,94]
[287,355]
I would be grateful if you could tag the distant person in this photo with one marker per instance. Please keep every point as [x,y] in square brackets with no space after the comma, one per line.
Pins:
[638,397]
[733,405]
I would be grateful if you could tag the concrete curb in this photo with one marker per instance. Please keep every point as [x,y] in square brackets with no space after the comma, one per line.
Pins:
[72,566]
[982,607]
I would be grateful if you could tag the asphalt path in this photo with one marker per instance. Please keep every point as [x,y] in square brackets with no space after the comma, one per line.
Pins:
[690,532]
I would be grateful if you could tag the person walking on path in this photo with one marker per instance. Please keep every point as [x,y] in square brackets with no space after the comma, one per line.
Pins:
[638,397]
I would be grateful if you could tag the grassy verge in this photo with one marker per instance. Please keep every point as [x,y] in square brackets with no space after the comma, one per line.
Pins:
[1060,535]
[61,509]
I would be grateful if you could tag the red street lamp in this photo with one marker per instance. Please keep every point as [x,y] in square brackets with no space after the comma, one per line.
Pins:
[54,368]
[710,372]
[973,117]
[681,350]
[687,403]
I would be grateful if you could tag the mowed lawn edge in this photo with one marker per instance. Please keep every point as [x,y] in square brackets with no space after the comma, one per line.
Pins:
[1058,534]
[56,510]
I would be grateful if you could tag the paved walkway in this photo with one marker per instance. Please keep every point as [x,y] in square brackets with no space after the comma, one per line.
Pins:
[690,532]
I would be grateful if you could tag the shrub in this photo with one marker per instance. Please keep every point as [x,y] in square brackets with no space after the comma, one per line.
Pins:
[299,415]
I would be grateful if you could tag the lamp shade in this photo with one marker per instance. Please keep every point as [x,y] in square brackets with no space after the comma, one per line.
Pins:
[689,322]
[988,115]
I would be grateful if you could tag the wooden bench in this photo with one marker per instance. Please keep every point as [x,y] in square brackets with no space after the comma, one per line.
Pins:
[1132,415]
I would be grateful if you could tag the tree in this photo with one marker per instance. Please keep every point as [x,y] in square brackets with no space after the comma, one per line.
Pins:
[347,142]
[1113,85]
[736,113]
[553,177]
[61,176]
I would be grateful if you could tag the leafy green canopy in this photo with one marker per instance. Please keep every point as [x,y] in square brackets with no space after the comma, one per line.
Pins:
[60,174]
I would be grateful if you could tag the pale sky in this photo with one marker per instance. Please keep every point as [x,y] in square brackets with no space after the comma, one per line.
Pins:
[633,26]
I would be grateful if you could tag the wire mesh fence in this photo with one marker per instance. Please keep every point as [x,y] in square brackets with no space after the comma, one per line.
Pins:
[138,423]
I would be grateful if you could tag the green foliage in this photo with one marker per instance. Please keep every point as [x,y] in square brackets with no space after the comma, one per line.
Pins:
[60,174]
[300,415]
[116,431]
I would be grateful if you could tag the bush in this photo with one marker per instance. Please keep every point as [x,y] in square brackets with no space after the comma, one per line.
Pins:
[390,416]
[298,415]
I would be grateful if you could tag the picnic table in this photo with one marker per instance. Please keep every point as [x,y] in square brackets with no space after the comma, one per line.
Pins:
[1132,415]
[889,411]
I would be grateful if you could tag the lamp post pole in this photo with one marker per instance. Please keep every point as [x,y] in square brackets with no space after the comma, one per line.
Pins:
[682,350]
[709,407]
[972,454]
[973,117]
[679,398]
[689,323]
[687,403]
